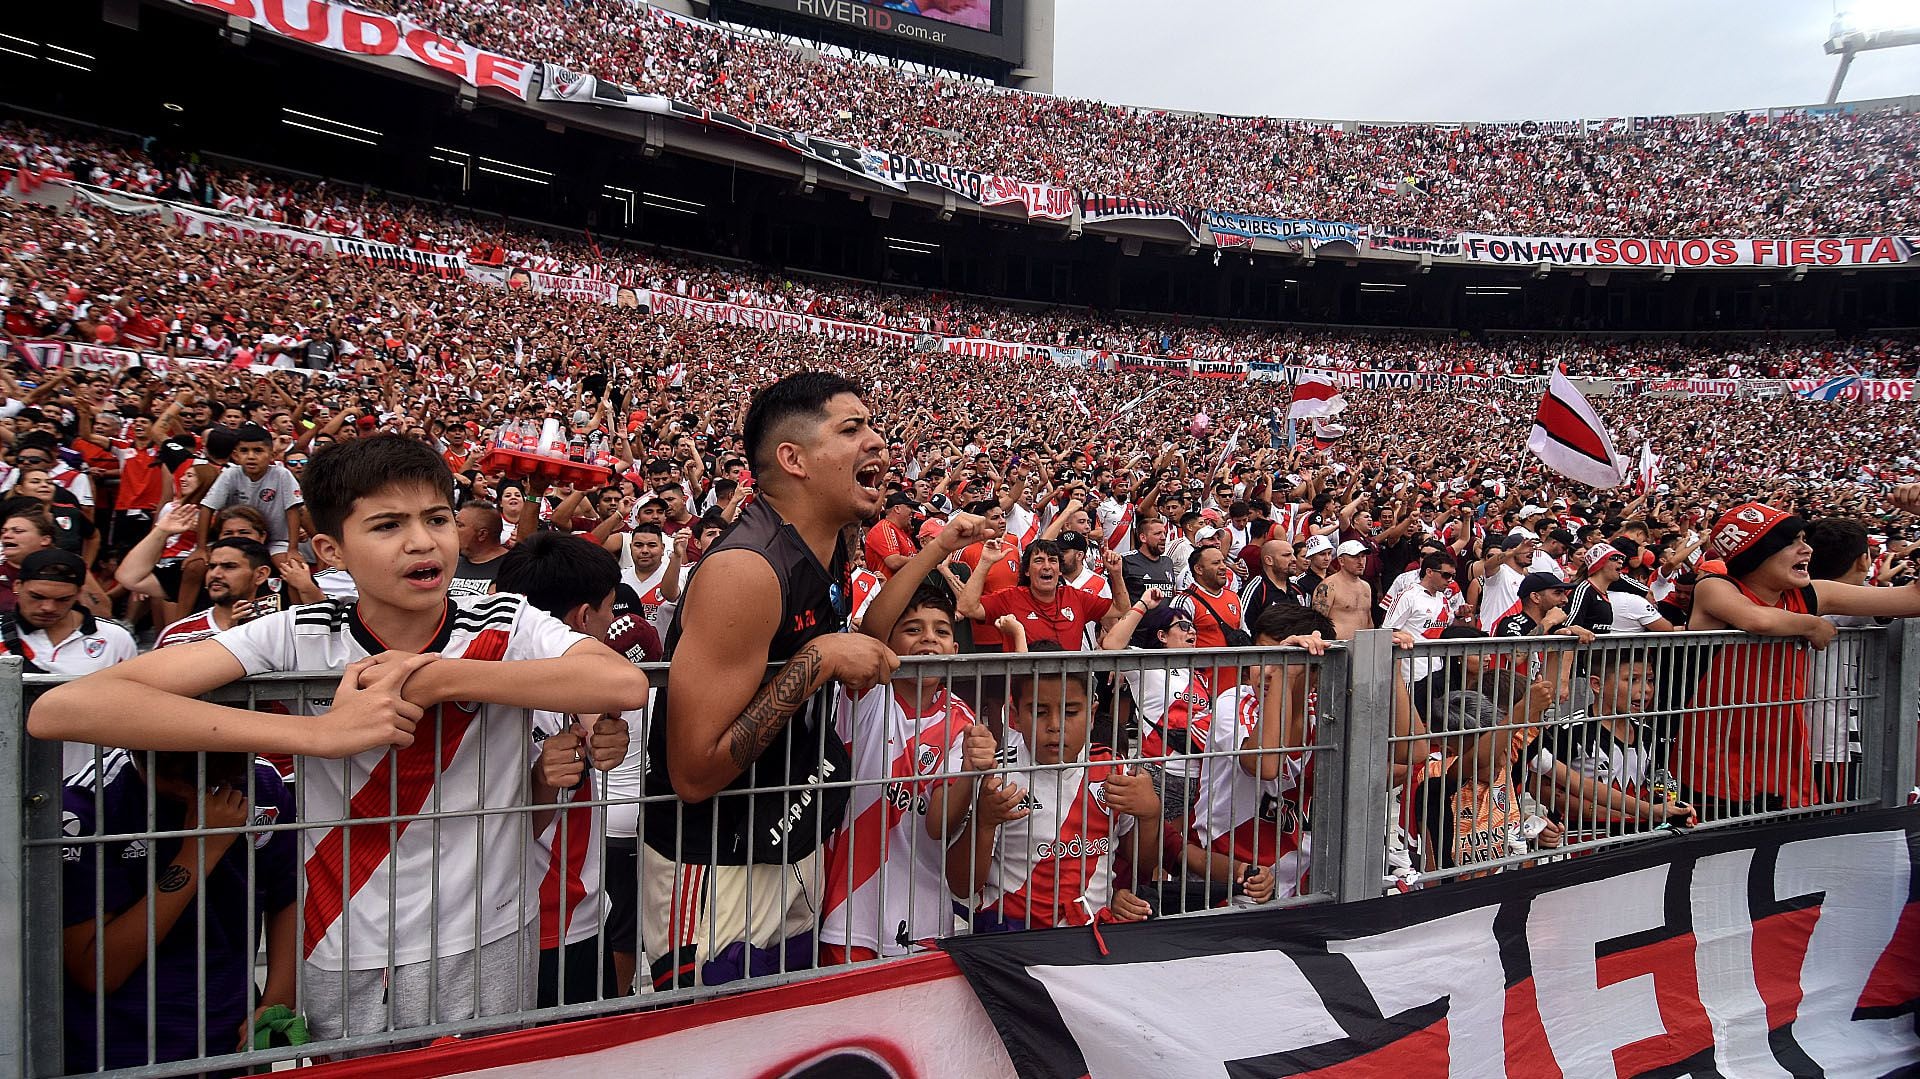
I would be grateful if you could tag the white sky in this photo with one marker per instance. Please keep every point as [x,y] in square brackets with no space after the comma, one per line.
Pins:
[1466,59]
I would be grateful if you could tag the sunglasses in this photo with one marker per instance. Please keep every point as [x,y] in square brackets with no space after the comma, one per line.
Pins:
[31,460]
[1182,626]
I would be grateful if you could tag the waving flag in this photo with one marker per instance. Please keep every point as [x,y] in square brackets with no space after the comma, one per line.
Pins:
[1570,438]
[1326,434]
[1832,389]
[1649,468]
[1315,395]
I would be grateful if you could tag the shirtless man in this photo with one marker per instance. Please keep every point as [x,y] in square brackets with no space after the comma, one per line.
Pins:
[1345,597]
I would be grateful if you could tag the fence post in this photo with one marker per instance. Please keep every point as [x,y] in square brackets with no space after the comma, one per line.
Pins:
[1355,717]
[1898,712]
[29,898]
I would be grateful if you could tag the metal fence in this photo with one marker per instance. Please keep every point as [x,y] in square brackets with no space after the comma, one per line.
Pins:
[155,900]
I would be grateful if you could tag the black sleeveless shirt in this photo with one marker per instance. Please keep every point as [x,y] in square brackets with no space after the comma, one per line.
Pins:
[735,827]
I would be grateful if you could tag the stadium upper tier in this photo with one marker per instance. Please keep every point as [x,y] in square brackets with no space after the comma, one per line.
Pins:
[1772,173]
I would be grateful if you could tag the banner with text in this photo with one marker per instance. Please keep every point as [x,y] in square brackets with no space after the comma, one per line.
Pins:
[775,321]
[1791,949]
[340,28]
[1241,230]
[1097,208]
[1687,254]
[562,84]
[1413,241]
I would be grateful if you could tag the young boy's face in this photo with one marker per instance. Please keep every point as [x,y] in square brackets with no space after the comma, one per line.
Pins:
[254,458]
[1051,713]
[400,544]
[1628,691]
[1787,568]
[923,631]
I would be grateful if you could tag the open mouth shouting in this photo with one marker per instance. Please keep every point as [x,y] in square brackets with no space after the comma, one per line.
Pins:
[869,476]
[424,575]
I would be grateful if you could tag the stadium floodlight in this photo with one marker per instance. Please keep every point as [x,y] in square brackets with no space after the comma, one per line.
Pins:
[1868,26]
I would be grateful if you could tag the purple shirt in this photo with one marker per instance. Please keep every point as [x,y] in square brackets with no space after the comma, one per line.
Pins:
[117,806]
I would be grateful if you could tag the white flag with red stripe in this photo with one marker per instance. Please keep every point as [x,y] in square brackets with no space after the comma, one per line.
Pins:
[1570,438]
[1315,395]
[1649,468]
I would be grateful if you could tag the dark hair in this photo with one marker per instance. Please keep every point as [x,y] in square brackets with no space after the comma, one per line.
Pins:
[242,512]
[798,396]
[1434,563]
[491,509]
[253,551]
[648,528]
[38,440]
[558,572]
[1837,542]
[931,595]
[1039,546]
[1199,551]
[1282,620]
[346,472]
[220,442]
[252,432]
[1021,686]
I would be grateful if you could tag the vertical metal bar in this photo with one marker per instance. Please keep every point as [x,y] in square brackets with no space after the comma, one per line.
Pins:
[1888,730]
[1365,766]
[30,964]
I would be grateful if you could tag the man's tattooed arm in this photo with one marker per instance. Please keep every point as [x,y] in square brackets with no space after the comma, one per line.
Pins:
[766,715]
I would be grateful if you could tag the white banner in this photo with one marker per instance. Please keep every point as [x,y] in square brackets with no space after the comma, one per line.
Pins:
[1686,254]
[593,290]
[339,28]
[230,228]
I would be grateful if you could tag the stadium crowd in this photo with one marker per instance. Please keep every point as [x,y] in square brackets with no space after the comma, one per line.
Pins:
[1747,175]
[273,495]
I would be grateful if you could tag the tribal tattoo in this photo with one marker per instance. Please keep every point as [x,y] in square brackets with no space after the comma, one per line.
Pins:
[173,878]
[767,714]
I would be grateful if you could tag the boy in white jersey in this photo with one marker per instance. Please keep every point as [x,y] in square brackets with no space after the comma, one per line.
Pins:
[1040,848]
[886,884]
[572,579]
[417,672]
[1250,815]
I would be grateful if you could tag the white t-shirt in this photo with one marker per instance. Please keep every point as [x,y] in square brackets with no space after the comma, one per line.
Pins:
[275,492]
[440,772]
[95,646]
[1499,591]
[1632,613]
[1115,519]
[886,877]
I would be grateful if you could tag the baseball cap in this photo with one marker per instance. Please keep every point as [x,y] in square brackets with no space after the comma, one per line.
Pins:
[900,498]
[931,527]
[1352,547]
[63,567]
[1075,541]
[1600,552]
[1531,510]
[1316,545]
[1206,533]
[1465,711]
[1523,533]
[1540,582]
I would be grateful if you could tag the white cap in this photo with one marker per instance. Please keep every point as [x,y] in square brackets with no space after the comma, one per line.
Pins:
[1206,533]
[1316,545]
[1352,547]
[1531,511]
[1523,533]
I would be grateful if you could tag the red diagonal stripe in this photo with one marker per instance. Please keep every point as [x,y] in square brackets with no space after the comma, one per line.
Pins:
[329,884]
[1568,428]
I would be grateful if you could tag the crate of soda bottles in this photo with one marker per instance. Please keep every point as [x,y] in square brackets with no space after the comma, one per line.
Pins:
[549,451]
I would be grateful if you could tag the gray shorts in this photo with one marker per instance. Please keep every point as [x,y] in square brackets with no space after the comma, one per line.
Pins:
[441,990]
[1176,792]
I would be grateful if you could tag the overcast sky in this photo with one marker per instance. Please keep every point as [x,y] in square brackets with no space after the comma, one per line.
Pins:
[1465,59]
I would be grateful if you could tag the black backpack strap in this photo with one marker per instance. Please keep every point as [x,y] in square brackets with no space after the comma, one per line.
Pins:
[14,646]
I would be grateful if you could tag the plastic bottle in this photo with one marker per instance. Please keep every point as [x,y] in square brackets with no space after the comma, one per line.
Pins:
[552,442]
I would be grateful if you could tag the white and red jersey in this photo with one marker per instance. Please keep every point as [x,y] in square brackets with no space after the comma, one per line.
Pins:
[1023,526]
[1093,584]
[1183,727]
[886,881]
[355,872]
[657,608]
[1423,614]
[568,857]
[1115,519]
[194,627]
[1262,821]
[1055,865]
[865,584]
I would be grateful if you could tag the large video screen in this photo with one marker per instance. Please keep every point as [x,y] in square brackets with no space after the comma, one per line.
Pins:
[983,27]
[973,14]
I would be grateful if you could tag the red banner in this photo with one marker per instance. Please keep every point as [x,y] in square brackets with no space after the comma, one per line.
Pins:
[344,29]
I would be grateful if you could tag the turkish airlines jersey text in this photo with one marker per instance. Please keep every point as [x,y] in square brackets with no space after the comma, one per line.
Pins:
[886,877]
[354,871]
[1055,865]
